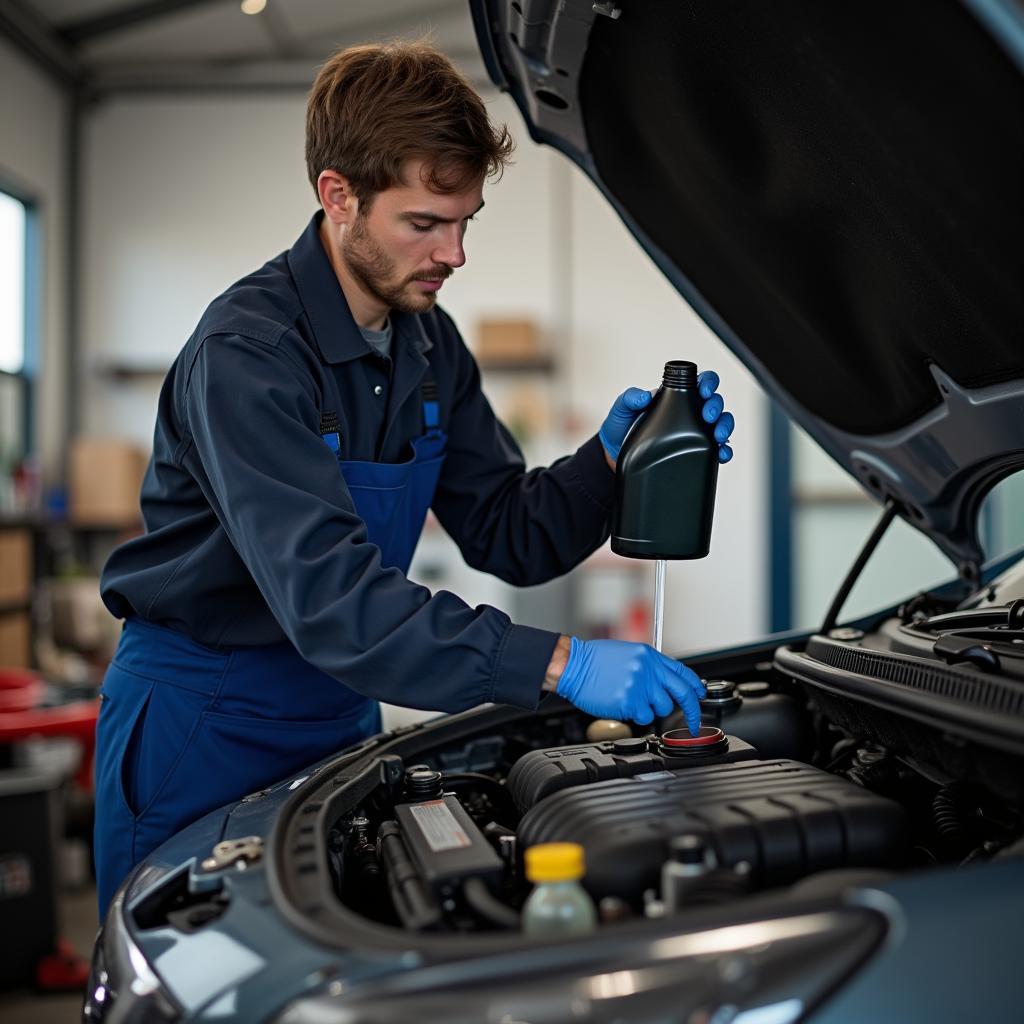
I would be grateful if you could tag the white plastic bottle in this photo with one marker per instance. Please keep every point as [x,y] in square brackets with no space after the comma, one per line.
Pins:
[558,905]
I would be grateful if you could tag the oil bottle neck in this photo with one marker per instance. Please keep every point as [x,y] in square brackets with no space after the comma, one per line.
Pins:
[680,375]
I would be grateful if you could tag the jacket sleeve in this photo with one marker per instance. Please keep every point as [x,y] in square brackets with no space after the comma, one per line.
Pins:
[255,449]
[524,527]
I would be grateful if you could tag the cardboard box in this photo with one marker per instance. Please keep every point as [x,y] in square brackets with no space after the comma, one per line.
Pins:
[15,640]
[507,340]
[79,620]
[15,566]
[105,481]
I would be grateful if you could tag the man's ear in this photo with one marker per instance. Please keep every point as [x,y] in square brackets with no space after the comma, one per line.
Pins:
[336,197]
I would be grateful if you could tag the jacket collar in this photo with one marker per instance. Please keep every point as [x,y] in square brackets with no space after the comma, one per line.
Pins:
[337,334]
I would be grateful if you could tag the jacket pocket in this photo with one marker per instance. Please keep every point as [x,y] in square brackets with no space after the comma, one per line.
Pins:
[118,736]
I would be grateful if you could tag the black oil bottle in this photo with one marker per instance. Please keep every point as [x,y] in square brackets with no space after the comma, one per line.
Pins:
[666,474]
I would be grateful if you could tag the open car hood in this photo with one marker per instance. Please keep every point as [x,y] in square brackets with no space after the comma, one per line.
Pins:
[836,189]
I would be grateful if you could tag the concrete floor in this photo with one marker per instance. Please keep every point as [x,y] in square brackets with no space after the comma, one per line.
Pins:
[78,926]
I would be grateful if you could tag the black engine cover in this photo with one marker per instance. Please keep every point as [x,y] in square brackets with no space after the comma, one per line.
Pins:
[538,774]
[784,819]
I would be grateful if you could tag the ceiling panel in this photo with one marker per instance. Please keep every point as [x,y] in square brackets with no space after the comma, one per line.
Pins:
[449,27]
[309,17]
[214,37]
[216,30]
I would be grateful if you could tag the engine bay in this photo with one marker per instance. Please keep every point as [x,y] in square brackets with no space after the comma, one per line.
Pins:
[888,750]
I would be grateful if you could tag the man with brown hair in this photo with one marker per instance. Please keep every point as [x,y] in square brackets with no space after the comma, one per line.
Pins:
[322,405]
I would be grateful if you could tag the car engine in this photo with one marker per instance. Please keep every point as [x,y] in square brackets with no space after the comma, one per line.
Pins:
[887,749]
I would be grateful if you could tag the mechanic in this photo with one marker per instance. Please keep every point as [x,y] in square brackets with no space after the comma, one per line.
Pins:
[322,406]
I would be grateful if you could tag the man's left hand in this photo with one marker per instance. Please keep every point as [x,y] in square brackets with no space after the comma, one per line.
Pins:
[714,404]
[633,401]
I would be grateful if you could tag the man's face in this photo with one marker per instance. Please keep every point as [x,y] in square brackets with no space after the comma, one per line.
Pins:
[403,248]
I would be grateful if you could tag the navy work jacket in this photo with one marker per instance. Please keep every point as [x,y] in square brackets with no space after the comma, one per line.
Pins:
[251,536]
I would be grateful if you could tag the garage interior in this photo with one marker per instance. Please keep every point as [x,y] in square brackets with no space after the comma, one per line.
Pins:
[151,153]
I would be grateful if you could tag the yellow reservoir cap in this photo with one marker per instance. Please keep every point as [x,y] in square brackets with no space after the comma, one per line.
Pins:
[554,862]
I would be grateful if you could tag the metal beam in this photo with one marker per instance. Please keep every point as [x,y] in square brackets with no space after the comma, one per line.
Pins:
[74,188]
[294,74]
[37,40]
[125,17]
[202,75]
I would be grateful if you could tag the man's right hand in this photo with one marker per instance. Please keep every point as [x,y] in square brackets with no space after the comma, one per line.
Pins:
[622,680]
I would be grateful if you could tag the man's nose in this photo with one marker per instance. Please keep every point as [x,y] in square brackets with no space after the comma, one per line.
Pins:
[451,251]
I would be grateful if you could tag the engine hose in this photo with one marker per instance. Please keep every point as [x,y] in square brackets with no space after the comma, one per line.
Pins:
[479,897]
[413,902]
[948,815]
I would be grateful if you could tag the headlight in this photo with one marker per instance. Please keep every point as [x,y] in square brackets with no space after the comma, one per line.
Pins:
[121,977]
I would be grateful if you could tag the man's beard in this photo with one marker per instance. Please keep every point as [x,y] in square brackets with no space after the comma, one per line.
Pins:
[374,269]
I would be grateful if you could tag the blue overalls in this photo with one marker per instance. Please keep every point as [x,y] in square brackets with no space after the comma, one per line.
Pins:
[184,729]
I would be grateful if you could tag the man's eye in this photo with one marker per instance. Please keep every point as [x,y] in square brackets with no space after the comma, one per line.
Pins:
[421,227]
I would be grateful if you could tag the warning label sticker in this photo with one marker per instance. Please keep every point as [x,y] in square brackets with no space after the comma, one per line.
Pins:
[438,825]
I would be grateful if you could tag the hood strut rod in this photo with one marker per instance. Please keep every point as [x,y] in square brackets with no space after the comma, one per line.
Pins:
[888,514]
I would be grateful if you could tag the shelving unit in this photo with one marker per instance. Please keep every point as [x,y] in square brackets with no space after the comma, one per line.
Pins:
[535,364]
[120,371]
[33,549]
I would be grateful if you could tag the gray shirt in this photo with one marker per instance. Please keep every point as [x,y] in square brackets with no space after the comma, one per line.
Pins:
[379,341]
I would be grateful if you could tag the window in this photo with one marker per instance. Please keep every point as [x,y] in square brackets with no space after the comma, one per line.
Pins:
[16,321]
[13,237]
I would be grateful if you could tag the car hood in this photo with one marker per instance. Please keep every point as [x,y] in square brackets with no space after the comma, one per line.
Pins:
[836,190]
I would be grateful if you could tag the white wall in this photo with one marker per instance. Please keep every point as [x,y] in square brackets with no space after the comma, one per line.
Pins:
[832,518]
[184,196]
[181,197]
[34,119]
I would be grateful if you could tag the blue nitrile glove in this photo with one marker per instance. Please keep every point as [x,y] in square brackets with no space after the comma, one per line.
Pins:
[622,680]
[622,416]
[633,401]
[725,423]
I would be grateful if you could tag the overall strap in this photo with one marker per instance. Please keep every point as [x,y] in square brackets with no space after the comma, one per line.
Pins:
[330,431]
[431,407]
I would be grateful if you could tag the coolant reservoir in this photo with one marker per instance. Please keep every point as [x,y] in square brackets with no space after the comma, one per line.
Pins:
[558,905]
[602,729]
